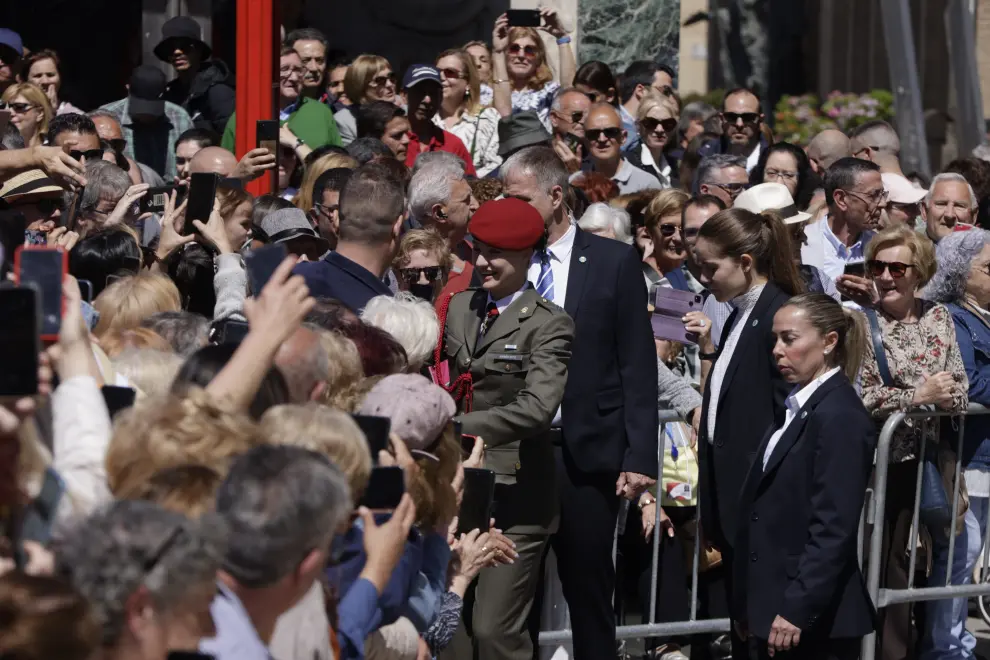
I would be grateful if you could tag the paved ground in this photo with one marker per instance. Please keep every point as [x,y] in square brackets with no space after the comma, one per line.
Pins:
[979,628]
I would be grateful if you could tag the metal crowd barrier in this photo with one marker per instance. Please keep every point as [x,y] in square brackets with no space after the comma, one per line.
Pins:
[873,515]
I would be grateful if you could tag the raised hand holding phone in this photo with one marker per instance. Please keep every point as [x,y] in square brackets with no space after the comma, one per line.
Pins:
[170,239]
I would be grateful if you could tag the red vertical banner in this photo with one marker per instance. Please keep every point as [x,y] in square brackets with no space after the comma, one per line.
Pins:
[257,35]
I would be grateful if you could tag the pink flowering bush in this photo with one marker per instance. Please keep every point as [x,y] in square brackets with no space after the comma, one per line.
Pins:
[799,118]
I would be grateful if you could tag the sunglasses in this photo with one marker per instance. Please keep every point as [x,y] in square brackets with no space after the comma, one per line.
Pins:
[732,188]
[650,124]
[452,74]
[411,275]
[21,108]
[747,117]
[48,206]
[118,144]
[89,154]
[528,51]
[612,133]
[668,230]
[897,269]
[381,81]
[576,117]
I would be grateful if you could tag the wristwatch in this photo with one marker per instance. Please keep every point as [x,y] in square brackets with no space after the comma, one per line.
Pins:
[299,143]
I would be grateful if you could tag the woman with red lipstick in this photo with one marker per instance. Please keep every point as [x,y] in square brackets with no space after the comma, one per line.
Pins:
[920,365]
[797,584]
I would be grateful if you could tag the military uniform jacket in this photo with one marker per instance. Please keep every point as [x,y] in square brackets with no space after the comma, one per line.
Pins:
[519,369]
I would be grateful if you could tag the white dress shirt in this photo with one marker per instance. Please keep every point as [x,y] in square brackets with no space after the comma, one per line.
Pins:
[753,159]
[647,157]
[837,254]
[745,304]
[560,265]
[794,402]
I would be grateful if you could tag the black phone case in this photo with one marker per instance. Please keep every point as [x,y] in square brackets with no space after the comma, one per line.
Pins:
[478,502]
[385,488]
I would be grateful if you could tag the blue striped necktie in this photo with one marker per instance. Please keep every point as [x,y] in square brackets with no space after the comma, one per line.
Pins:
[544,285]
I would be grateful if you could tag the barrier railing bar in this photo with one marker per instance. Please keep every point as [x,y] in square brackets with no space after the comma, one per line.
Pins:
[895,596]
[916,512]
[955,504]
[647,630]
[661,444]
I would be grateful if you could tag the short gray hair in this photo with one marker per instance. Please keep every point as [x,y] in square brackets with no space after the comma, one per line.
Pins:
[412,321]
[303,362]
[599,217]
[104,113]
[280,503]
[715,163]
[185,331]
[432,182]
[952,176]
[561,93]
[877,134]
[694,111]
[103,181]
[954,255]
[542,163]
[131,544]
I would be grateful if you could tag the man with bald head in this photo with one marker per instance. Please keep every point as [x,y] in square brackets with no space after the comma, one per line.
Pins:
[877,141]
[109,130]
[827,147]
[213,159]
[304,364]
[605,135]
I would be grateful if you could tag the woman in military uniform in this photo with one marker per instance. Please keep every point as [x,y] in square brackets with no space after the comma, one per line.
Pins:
[507,350]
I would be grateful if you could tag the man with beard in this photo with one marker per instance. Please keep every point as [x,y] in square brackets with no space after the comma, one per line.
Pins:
[424,90]
[741,123]
[203,85]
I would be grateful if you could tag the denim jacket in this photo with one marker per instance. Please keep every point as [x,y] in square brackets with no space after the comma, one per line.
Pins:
[973,338]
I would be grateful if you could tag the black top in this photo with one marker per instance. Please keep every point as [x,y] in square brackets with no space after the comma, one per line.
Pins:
[338,277]
[209,99]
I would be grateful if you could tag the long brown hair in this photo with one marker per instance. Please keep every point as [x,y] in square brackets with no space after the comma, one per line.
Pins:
[543,73]
[763,237]
[827,315]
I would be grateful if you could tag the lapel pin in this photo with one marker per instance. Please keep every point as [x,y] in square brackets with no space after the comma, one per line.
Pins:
[804,414]
[524,310]
[582,259]
[511,347]
[756,322]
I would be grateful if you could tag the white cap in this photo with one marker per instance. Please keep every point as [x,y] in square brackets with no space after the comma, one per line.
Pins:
[901,190]
[771,196]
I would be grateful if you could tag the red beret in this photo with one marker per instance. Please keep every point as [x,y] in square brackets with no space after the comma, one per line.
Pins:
[507,224]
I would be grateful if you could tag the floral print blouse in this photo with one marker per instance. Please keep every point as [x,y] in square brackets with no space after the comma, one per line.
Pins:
[913,350]
[479,133]
[537,100]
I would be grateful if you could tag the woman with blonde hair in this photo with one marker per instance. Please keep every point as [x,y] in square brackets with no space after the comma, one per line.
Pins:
[370,78]
[31,111]
[663,224]
[344,361]
[522,80]
[656,120]
[331,161]
[130,300]
[150,371]
[423,263]
[463,113]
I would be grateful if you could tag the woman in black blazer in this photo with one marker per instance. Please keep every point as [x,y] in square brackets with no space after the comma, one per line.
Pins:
[797,581]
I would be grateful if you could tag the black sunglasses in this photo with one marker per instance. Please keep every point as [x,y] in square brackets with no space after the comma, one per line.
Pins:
[381,81]
[89,154]
[118,144]
[612,133]
[650,124]
[897,269]
[21,108]
[747,117]
[411,275]
[576,117]
[48,206]
[668,230]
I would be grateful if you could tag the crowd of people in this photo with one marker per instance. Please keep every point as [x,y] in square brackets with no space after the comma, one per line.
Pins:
[477,250]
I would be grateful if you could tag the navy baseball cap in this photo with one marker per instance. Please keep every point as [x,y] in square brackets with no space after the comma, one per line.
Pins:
[12,41]
[418,73]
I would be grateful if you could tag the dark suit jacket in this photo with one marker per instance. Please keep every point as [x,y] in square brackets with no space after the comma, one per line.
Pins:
[796,547]
[751,401]
[336,276]
[610,402]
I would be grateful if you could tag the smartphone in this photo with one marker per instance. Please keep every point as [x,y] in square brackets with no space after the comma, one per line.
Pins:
[231,332]
[670,306]
[267,134]
[39,515]
[155,199]
[20,309]
[465,441]
[86,289]
[478,502]
[118,398]
[44,268]
[857,268]
[573,142]
[4,120]
[524,17]
[261,265]
[385,488]
[376,430]
[202,193]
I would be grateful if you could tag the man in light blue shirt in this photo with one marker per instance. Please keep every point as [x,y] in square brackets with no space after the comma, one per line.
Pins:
[856,196]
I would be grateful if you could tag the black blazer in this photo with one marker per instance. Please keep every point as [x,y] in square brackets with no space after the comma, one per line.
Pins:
[796,547]
[751,400]
[610,401]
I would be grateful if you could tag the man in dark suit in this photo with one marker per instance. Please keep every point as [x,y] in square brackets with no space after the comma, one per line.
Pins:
[606,429]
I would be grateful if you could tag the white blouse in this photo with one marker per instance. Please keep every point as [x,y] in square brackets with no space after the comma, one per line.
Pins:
[479,133]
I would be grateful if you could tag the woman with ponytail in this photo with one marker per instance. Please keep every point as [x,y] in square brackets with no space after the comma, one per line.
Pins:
[797,582]
[745,259]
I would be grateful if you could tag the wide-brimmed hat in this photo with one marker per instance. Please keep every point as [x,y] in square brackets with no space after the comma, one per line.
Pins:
[901,190]
[771,197]
[179,28]
[30,184]
[289,224]
[522,129]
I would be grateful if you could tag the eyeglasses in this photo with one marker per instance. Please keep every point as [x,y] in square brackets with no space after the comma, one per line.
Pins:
[576,117]
[668,230]
[770,173]
[907,209]
[89,154]
[747,117]
[21,108]
[381,81]
[897,269]
[452,74]
[411,275]
[865,148]
[324,209]
[798,234]
[118,145]
[666,90]
[528,51]
[47,206]
[732,188]
[613,133]
[287,71]
[873,198]
[650,124]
